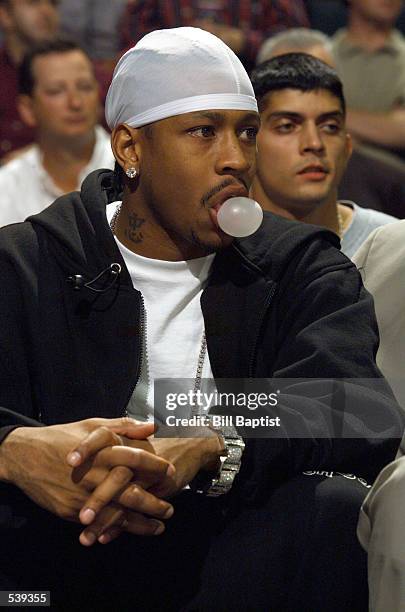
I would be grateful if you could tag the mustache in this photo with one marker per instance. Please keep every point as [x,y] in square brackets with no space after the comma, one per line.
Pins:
[227,183]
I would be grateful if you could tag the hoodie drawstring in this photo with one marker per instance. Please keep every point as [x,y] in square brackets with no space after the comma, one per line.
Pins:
[78,282]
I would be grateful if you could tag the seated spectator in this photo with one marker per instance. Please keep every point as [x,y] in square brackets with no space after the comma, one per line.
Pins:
[297,40]
[303,148]
[23,24]
[59,101]
[373,178]
[94,25]
[370,58]
[242,26]
[381,529]
[381,261]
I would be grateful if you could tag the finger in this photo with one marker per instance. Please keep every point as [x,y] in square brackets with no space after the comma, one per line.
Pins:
[91,444]
[112,516]
[136,498]
[104,493]
[136,430]
[135,524]
[142,462]
[133,497]
[113,520]
[107,434]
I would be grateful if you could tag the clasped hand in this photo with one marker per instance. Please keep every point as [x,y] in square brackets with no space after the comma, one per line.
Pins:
[39,461]
[186,456]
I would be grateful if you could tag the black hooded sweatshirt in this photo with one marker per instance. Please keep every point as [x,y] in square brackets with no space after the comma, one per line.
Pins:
[283,303]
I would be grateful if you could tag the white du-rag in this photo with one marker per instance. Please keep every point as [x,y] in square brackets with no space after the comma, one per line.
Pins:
[176,71]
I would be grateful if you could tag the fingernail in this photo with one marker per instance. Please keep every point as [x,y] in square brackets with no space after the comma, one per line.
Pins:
[171,470]
[74,458]
[159,529]
[104,538]
[89,538]
[87,516]
[169,512]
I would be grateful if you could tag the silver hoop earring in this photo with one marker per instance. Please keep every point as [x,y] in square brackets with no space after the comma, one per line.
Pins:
[131,172]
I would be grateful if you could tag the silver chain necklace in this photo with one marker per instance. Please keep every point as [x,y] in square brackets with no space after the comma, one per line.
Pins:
[341,225]
[144,362]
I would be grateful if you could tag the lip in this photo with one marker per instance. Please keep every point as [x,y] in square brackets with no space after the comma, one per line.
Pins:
[75,120]
[313,169]
[232,191]
[314,172]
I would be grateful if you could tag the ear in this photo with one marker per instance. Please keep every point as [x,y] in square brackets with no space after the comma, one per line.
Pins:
[126,146]
[6,22]
[26,109]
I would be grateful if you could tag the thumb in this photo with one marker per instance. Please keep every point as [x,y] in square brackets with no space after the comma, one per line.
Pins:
[135,430]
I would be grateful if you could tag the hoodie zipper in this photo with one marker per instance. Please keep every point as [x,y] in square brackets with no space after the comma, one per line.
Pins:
[267,303]
[142,357]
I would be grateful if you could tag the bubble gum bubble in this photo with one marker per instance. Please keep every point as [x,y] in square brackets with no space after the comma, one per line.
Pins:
[240,217]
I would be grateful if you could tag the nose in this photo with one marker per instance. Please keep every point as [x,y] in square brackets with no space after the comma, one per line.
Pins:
[50,12]
[311,139]
[48,6]
[74,99]
[233,157]
[45,7]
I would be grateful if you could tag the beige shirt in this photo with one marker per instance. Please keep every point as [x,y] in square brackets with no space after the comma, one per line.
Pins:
[381,262]
[373,80]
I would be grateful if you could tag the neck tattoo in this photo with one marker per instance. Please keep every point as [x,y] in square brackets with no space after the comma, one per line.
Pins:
[133,232]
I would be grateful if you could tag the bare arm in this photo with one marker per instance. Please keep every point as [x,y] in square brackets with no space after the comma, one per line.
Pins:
[383,129]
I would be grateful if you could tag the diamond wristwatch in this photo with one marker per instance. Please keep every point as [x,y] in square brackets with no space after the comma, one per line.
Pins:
[221,483]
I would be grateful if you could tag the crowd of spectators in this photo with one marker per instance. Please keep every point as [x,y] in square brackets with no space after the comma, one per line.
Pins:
[365,47]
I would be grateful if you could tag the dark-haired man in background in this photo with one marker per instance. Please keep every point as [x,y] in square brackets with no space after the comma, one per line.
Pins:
[303,148]
[59,101]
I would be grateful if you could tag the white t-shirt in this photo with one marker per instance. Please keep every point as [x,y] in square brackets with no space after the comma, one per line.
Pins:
[26,188]
[171,292]
[364,221]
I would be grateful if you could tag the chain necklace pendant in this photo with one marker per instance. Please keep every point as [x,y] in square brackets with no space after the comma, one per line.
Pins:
[341,225]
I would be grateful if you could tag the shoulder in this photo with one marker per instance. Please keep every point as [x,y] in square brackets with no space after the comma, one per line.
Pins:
[19,251]
[20,165]
[339,39]
[20,187]
[373,218]
[382,256]
[102,156]
[397,41]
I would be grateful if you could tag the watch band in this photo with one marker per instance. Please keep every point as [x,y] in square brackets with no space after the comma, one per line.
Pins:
[222,481]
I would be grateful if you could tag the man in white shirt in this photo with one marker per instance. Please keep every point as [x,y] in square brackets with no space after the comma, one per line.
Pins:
[303,148]
[59,99]
[381,528]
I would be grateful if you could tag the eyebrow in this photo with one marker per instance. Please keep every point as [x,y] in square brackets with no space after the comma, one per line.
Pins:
[298,116]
